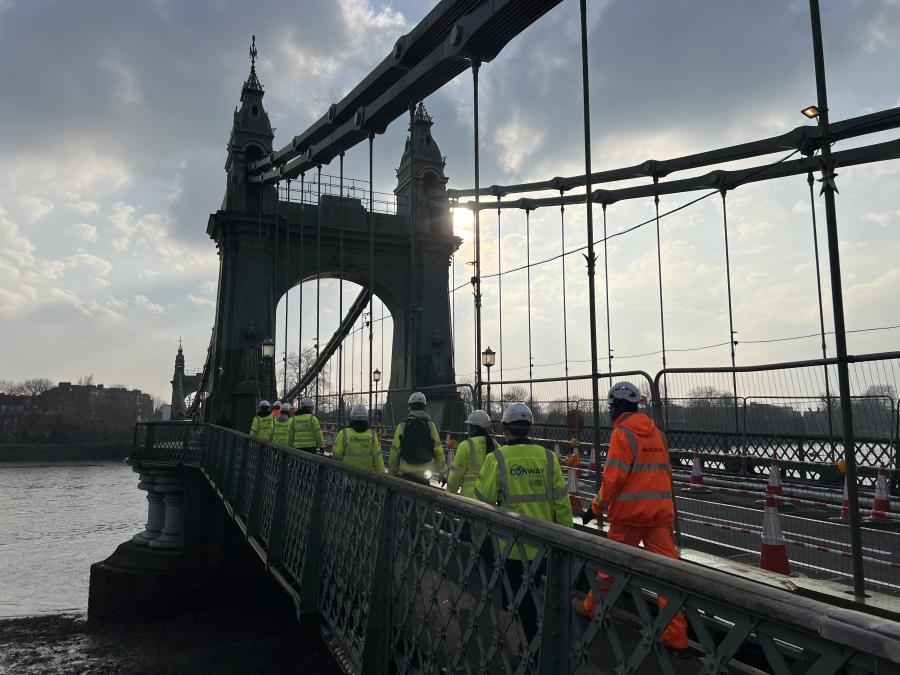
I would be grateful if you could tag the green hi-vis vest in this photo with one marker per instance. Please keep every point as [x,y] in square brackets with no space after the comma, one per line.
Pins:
[261,427]
[281,430]
[467,466]
[526,478]
[359,448]
[307,432]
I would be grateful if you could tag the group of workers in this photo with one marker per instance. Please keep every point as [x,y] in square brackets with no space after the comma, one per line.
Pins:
[520,475]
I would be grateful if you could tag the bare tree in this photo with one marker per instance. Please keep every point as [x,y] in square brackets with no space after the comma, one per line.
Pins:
[86,380]
[6,386]
[32,387]
[887,391]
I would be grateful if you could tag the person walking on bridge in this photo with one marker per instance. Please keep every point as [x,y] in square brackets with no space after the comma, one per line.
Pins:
[281,426]
[637,491]
[524,477]
[306,432]
[416,452]
[358,444]
[470,455]
[260,427]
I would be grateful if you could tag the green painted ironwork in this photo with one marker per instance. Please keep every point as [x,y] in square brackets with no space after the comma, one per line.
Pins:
[409,579]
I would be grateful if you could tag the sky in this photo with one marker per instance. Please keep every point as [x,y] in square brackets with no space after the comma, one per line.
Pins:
[112,150]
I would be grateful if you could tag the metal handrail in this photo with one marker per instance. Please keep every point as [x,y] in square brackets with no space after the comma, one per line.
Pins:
[404,536]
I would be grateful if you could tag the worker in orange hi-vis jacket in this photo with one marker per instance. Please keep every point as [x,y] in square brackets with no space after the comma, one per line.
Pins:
[637,492]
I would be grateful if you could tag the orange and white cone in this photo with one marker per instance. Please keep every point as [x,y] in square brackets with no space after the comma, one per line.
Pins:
[774,486]
[773,554]
[451,451]
[697,485]
[572,489]
[592,466]
[844,517]
[881,508]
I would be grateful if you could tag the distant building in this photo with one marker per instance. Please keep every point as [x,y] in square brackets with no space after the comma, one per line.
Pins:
[73,413]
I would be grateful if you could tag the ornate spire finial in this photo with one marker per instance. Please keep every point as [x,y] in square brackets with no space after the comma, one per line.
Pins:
[253,81]
[179,343]
[422,114]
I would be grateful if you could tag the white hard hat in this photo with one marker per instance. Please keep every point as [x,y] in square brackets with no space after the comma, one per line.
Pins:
[277,404]
[285,407]
[359,412]
[417,397]
[624,391]
[479,418]
[307,402]
[517,412]
[264,404]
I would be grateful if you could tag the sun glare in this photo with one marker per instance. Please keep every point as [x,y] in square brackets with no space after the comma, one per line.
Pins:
[463,224]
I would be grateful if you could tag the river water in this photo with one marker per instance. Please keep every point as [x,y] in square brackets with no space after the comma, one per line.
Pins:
[56,519]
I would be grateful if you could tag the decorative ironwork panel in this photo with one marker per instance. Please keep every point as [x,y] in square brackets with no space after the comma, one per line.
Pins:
[352,511]
[467,594]
[300,479]
[268,484]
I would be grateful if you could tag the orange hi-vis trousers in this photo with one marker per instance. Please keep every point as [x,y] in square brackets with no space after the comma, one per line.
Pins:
[656,540]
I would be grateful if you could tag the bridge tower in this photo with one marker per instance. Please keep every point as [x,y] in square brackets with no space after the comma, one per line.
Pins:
[178,393]
[245,303]
[412,251]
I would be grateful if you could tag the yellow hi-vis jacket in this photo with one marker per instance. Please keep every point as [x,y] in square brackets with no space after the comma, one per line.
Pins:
[467,466]
[399,466]
[261,427]
[281,430]
[359,448]
[524,477]
[306,430]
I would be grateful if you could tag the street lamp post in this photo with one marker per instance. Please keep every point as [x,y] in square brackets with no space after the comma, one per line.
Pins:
[267,351]
[488,358]
[376,378]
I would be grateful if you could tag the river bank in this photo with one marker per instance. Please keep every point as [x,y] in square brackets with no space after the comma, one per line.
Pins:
[64,452]
[253,639]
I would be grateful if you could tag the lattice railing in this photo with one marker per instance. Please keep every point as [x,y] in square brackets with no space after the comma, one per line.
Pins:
[409,579]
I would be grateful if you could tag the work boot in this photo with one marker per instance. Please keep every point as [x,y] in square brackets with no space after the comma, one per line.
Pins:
[578,606]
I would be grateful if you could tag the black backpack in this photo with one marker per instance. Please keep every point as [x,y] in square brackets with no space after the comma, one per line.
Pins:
[416,443]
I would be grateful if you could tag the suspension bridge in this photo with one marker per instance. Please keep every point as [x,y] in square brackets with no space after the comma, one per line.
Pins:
[403,578]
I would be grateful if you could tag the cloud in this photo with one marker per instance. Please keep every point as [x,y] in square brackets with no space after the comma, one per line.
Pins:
[143,302]
[35,207]
[87,232]
[203,302]
[92,309]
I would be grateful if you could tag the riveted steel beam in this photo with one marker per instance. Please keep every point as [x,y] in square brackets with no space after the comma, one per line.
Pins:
[432,54]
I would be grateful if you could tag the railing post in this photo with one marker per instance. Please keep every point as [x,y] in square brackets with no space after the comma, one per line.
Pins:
[376,654]
[242,475]
[556,636]
[151,433]
[312,560]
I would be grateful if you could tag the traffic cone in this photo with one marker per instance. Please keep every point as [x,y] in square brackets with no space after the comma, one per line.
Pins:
[773,554]
[774,486]
[845,508]
[881,509]
[697,486]
[451,450]
[572,488]
[592,467]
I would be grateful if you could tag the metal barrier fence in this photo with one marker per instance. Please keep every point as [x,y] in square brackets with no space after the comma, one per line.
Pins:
[409,579]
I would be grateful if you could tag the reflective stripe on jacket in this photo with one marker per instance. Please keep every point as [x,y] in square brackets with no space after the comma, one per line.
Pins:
[261,427]
[399,466]
[467,466]
[359,448]
[307,432]
[281,430]
[637,479]
[527,478]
